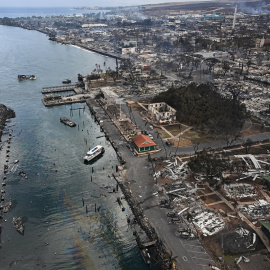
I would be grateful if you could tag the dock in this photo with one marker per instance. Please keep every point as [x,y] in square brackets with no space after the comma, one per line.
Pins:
[61,88]
[51,101]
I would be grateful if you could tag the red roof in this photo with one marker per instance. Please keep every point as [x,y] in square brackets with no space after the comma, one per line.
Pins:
[143,141]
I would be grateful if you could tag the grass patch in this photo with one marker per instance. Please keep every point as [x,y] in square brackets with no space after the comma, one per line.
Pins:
[195,137]
[164,134]
[174,129]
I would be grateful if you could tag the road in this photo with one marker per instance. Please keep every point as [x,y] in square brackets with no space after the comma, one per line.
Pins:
[189,254]
[184,150]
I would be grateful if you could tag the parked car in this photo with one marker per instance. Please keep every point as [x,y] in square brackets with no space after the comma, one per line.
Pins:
[168,143]
[151,136]
[151,127]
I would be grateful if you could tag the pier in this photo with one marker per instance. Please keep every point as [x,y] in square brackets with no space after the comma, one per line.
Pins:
[61,88]
[51,100]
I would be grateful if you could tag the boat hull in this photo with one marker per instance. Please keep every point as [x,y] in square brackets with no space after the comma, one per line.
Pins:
[67,122]
[94,156]
[26,77]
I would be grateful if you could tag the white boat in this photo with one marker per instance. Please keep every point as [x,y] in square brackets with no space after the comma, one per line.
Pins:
[93,153]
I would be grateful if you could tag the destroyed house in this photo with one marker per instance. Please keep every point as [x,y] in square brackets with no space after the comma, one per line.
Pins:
[143,143]
[162,112]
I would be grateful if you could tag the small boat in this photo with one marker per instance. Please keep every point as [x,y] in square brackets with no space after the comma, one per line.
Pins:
[18,225]
[67,122]
[66,81]
[26,77]
[94,153]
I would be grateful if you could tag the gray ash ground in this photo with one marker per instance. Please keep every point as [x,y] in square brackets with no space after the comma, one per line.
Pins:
[234,244]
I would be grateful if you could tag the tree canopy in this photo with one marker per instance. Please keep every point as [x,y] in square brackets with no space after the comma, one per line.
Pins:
[202,106]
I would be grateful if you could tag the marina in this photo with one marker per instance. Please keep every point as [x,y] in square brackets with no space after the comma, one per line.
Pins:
[49,201]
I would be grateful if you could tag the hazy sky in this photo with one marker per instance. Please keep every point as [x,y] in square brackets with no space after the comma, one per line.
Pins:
[75,3]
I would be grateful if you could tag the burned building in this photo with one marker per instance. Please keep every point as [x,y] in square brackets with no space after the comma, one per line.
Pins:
[162,112]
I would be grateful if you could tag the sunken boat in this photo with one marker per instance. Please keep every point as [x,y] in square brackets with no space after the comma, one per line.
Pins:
[18,225]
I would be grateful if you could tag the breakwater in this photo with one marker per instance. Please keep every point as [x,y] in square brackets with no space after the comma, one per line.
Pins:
[109,54]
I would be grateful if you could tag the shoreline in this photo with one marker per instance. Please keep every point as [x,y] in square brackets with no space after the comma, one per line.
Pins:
[141,219]
[107,54]
[5,114]
[80,46]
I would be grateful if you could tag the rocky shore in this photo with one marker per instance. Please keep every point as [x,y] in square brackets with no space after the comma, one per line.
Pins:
[5,113]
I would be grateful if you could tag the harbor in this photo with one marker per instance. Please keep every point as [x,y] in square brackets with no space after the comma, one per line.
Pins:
[169,170]
[147,237]
[57,200]
[53,97]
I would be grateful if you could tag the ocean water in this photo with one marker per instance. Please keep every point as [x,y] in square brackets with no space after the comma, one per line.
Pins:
[14,12]
[59,234]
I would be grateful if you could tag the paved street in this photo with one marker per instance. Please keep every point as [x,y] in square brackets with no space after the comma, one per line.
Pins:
[142,185]
[189,254]
[185,149]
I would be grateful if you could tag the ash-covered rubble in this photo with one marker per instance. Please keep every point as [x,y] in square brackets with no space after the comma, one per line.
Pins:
[260,209]
[239,191]
[173,170]
[238,241]
[253,90]
[181,192]
[255,167]
[206,220]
